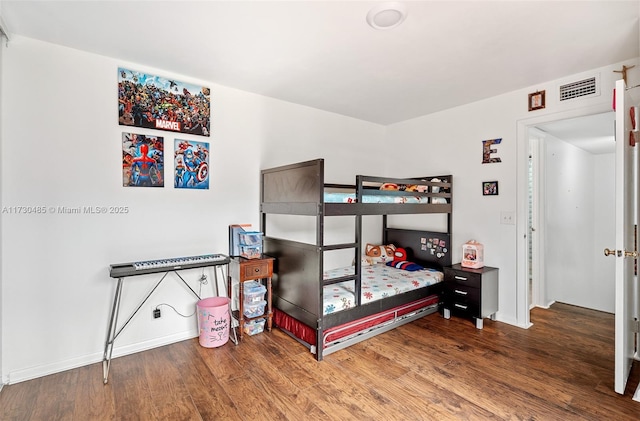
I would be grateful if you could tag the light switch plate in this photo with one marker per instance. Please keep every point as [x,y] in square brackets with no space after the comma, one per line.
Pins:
[508,218]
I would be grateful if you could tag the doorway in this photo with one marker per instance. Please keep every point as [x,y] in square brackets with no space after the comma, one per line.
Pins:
[526,290]
[571,212]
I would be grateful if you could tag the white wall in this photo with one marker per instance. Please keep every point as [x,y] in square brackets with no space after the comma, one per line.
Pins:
[603,290]
[450,142]
[579,198]
[62,147]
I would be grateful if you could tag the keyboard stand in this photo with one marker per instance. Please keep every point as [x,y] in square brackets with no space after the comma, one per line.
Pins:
[113,332]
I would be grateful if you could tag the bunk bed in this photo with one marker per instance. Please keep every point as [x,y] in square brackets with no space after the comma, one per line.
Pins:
[302,284]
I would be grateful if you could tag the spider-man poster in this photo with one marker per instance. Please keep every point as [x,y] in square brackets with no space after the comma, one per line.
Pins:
[154,102]
[191,160]
[142,160]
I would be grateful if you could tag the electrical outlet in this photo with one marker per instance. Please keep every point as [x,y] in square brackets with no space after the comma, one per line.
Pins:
[507,218]
[156,313]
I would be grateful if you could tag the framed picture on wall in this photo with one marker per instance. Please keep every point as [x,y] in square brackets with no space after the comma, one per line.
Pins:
[154,102]
[536,100]
[191,164]
[489,188]
[142,160]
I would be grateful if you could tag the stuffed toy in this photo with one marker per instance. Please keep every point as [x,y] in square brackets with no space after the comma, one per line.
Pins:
[400,261]
[404,187]
[378,254]
[400,254]
[416,188]
[389,186]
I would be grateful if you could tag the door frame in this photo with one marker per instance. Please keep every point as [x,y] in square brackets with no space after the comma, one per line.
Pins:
[538,221]
[522,201]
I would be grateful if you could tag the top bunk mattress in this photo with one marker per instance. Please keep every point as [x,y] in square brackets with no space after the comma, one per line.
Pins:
[330,197]
[378,281]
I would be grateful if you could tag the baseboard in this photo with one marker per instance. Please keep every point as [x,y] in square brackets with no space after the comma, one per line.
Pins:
[549,305]
[58,367]
[511,321]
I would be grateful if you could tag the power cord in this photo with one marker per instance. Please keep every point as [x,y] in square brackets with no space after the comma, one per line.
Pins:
[174,309]
[203,281]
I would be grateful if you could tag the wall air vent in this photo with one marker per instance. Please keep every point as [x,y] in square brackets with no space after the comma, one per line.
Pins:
[579,89]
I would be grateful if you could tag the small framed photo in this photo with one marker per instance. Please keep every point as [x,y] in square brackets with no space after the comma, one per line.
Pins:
[489,188]
[536,100]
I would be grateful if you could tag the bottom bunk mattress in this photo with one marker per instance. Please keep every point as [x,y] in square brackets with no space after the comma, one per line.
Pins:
[378,282]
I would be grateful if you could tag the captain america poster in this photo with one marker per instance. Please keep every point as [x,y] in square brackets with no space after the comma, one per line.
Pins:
[191,165]
[154,102]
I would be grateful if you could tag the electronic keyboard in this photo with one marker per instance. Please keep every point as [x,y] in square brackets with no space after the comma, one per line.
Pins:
[122,270]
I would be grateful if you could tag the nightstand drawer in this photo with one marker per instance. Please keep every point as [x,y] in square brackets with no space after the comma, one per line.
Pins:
[457,292]
[261,269]
[473,280]
[470,309]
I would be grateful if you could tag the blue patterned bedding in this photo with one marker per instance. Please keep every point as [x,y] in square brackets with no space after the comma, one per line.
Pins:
[351,198]
[378,281]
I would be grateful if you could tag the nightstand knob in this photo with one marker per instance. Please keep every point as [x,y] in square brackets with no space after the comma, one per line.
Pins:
[608,252]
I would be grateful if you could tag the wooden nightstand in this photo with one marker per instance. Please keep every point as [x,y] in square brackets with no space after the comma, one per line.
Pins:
[242,270]
[471,292]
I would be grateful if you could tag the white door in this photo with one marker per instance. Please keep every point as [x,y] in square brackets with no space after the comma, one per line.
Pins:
[625,205]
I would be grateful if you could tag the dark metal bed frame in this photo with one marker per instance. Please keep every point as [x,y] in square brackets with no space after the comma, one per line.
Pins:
[298,189]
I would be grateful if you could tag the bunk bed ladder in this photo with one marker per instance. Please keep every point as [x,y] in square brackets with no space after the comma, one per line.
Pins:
[356,246]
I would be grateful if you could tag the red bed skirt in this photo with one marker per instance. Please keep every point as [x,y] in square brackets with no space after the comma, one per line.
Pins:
[308,334]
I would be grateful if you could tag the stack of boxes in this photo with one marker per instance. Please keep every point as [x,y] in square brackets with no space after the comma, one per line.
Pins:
[253,306]
[250,244]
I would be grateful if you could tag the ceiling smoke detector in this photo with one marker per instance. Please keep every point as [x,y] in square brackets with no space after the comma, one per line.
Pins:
[387,15]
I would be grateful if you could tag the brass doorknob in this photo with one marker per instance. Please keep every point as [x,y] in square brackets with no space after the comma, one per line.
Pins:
[608,252]
[619,253]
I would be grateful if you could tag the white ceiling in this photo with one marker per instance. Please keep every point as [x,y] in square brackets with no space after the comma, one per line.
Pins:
[324,55]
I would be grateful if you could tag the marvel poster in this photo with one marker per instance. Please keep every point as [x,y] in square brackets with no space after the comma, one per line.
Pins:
[191,160]
[142,160]
[154,102]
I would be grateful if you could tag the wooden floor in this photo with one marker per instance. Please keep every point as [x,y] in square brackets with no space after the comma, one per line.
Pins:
[431,369]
